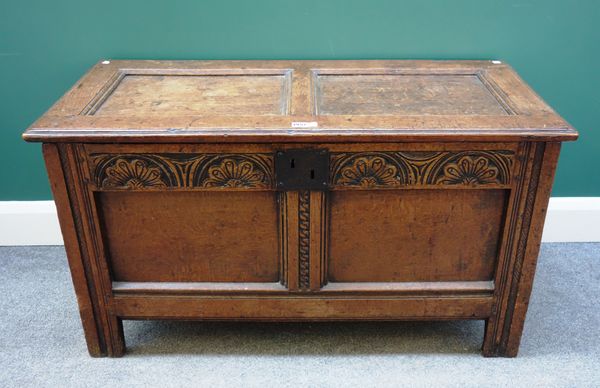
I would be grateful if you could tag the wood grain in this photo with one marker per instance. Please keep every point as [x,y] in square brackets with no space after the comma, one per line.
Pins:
[143,95]
[84,286]
[302,309]
[433,235]
[405,94]
[187,237]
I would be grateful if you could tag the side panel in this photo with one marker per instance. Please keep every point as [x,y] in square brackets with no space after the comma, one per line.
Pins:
[83,283]
[516,269]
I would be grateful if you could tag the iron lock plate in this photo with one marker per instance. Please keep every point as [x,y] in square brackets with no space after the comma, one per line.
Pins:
[302,169]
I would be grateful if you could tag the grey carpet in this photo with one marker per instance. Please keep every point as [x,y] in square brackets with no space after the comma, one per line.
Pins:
[41,341]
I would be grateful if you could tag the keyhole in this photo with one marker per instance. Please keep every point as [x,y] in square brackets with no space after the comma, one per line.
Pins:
[312,174]
[293,163]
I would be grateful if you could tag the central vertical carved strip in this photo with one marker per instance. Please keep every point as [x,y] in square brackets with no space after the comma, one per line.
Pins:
[304,239]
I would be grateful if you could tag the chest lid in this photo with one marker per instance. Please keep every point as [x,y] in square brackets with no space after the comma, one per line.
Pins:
[299,101]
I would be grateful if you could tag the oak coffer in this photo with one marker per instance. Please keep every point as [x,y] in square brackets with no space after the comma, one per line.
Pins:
[301,190]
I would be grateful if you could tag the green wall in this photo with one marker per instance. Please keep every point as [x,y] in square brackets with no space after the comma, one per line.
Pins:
[45,46]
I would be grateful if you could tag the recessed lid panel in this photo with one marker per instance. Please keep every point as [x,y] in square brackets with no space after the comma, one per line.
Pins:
[172,94]
[405,94]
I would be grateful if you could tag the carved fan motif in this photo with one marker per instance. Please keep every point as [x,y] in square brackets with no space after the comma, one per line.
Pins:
[134,174]
[469,170]
[369,172]
[233,173]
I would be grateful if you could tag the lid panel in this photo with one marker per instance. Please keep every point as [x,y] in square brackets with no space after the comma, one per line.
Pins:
[141,95]
[406,94]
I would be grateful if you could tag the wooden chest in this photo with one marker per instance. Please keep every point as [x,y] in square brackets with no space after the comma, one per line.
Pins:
[301,190]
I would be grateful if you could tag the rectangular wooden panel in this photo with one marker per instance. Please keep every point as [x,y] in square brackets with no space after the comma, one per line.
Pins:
[399,94]
[414,235]
[191,236]
[135,95]
[302,308]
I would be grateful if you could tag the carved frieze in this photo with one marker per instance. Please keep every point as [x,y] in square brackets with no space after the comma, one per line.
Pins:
[147,171]
[395,169]
[371,169]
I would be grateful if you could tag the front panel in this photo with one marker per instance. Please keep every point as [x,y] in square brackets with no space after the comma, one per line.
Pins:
[176,215]
[393,219]
[203,236]
[418,235]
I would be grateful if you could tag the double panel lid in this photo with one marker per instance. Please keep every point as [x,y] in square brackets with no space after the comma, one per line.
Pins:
[299,101]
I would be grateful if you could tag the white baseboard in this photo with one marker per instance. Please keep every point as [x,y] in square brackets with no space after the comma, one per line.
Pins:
[29,223]
[572,219]
[569,219]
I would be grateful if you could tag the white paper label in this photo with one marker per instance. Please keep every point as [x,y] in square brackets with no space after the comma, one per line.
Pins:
[304,124]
